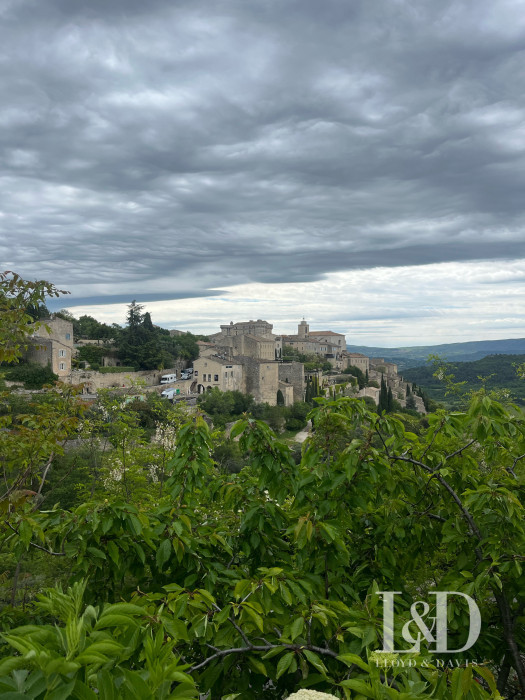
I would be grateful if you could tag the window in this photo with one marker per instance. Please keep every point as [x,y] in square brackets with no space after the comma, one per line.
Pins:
[68,336]
[196,373]
[61,353]
[62,365]
[215,377]
[209,377]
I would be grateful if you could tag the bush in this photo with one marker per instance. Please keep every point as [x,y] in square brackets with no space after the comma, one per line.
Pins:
[32,375]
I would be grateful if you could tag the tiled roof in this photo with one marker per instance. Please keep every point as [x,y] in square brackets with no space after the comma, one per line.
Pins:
[325,333]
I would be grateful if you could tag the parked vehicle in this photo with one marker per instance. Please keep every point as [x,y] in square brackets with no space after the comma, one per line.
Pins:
[170,393]
[168,378]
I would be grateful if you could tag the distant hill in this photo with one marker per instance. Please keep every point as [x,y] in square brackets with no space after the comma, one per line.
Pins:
[501,370]
[453,352]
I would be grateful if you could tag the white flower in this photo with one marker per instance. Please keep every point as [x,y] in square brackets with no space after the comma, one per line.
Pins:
[165,436]
[310,695]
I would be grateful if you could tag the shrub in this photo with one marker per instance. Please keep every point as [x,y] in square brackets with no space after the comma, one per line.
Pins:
[32,375]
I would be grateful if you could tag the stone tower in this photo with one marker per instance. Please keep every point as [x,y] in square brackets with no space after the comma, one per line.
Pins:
[303,329]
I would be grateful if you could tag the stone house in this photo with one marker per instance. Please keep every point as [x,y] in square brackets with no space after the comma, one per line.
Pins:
[356,359]
[213,371]
[52,344]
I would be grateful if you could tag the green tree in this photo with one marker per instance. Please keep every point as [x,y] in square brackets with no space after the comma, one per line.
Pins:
[18,298]
[253,584]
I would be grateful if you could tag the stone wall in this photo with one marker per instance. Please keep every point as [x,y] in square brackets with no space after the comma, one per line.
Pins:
[101,380]
[293,373]
[262,379]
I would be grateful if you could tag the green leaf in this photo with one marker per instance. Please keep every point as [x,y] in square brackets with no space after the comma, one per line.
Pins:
[359,687]
[62,692]
[113,552]
[163,553]
[488,677]
[284,663]
[296,628]
[315,660]
[350,659]
[257,665]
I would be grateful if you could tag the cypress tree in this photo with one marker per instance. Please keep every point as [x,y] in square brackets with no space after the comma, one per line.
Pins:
[383,397]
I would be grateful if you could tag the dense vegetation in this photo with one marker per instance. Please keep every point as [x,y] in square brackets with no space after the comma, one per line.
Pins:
[227,406]
[492,372]
[30,374]
[138,344]
[169,576]
[311,361]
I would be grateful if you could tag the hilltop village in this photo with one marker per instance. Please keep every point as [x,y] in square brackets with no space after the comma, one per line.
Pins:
[247,357]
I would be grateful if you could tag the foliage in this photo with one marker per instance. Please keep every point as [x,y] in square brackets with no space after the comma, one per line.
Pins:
[145,346]
[90,651]
[356,372]
[18,298]
[115,370]
[495,372]
[32,375]
[252,585]
[225,406]
[88,328]
[269,574]
[92,354]
[311,361]
[29,441]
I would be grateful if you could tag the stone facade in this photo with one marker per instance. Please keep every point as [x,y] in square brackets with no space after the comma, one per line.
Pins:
[262,379]
[259,328]
[213,371]
[52,344]
[292,374]
[93,381]
[356,359]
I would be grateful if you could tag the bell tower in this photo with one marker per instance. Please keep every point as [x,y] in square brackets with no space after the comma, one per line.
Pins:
[303,329]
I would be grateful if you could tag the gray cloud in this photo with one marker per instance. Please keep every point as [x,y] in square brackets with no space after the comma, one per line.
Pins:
[170,148]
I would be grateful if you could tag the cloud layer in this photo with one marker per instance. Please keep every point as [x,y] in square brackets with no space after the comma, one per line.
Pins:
[172,148]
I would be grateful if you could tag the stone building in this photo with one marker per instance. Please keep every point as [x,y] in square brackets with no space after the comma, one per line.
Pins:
[213,371]
[52,344]
[259,328]
[245,357]
[327,344]
[356,359]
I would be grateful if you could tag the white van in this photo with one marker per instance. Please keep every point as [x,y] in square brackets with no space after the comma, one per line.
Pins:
[170,393]
[168,378]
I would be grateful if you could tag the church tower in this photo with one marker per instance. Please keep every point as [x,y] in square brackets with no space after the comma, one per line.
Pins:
[303,329]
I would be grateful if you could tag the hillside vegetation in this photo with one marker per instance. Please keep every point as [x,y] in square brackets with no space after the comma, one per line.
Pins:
[495,371]
[452,352]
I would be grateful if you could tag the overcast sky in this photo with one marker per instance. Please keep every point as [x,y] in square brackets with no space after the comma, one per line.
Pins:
[357,162]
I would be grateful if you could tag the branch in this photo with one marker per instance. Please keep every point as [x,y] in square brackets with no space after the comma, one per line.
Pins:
[262,647]
[37,546]
[46,469]
[466,514]
[461,449]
